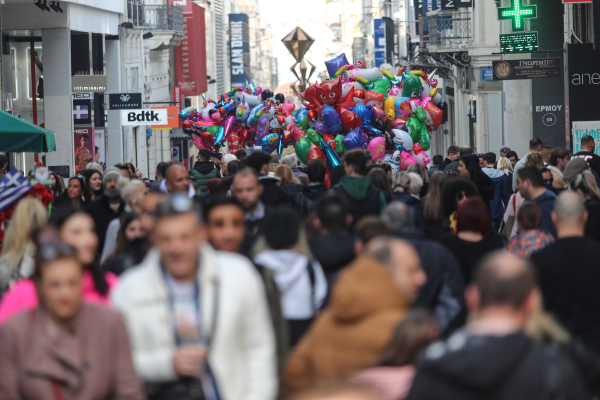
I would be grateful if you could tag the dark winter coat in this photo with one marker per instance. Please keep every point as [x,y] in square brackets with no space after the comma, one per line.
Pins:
[293,189]
[486,187]
[333,251]
[511,367]
[272,195]
[592,226]
[416,205]
[445,163]
[502,193]
[305,201]
[102,214]
[203,172]
[362,197]
[546,202]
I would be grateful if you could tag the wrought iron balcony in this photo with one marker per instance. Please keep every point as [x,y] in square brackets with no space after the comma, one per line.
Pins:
[448,33]
[157,18]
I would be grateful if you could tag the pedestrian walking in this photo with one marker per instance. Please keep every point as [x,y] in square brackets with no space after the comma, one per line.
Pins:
[530,183]
[534,147]
[204,170]
[73,196]
[469,168]
[407,190]
[130,231]
[433,212]
[530,238]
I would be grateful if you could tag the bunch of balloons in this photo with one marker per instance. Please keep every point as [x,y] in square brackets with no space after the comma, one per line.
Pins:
[368,108]
[245,116]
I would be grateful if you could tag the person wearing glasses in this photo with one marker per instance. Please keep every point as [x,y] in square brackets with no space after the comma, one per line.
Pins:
[73,196]
[198,318]
[65,348]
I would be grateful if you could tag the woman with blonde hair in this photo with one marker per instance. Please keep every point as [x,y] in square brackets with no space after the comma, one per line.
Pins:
[584,184]
[505,166]
[533,159]
[288,182]
[16,262]
[422,172]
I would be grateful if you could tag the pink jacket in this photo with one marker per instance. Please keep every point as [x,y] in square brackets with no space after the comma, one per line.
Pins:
[23,295]
[390,383]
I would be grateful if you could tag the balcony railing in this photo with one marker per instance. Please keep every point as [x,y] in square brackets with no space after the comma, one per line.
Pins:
[158,18]
[448,33]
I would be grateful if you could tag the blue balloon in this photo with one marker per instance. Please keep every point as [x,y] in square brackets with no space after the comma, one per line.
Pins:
[280,145]
[220,135]
[301,113]
[365,113]
[335,64]
[269,142]
[371,131]
[355,139]
[187,113]
[331,119]
[333,160]
[252,118]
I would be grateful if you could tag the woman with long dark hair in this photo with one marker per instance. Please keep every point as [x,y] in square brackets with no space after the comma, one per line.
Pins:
[65,348]
[73,196]
[129,231]
[76,228]
[468,168]
[93,185]
[58,186]
[432,206]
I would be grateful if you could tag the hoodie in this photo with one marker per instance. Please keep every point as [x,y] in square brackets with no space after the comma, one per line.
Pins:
[363,198]
[502,193]
[293,280]
[546,202]
[352,331]
[469,367]
[203,172]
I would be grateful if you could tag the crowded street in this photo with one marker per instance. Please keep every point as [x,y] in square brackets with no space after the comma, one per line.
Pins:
[333,200]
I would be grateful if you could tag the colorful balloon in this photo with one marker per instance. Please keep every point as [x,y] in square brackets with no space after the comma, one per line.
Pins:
[349,119]
[331,119]
[374,99]
[377,148]
[269,142]
[395,162]
[356,139]
[315,153]
[340,147]
[402,140]
[405,160]
[302,148]
[330,155]
[335,64]
[412,87]
[313,136]
[371,131]
[262,130]
[233,142]
[365,113]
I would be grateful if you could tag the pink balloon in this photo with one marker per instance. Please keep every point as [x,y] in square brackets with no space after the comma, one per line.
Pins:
[377,148]
[297,133]
[405,160]
[287,107]
[199,143]
[398,124]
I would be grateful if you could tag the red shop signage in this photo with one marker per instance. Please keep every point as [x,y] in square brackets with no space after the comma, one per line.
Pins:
[190,55]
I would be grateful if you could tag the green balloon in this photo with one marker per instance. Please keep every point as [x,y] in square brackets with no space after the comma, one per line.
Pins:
[302,148]
[340,147]
[381,86]
[303,123]
[213,129]
[413,127]
[314,137]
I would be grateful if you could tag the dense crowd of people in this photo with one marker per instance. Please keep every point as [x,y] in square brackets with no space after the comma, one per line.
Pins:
[250,277]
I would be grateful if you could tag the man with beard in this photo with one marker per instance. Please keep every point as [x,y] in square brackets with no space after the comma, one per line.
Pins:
[109,206]
[247,189]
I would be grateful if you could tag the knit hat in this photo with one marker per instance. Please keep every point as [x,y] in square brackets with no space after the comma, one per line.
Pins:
[112,173]
[574,168]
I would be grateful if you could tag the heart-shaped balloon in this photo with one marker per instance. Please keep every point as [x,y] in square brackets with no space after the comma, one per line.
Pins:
[315,153]
[313,116]
[350,120]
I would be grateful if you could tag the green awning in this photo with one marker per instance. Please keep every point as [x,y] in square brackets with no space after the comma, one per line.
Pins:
[18,135]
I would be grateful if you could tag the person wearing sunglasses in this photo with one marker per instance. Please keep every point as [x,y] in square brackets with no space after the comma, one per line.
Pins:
[65,348]
[198,318]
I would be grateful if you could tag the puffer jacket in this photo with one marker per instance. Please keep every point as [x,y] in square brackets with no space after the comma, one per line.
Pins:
[203,172]
[502,194]
[364,309]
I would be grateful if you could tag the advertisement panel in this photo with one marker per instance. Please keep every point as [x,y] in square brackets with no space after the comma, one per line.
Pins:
[125,101]
[582,128]
[190,55]
[379,30]
[84,139]
[542,68]
[172,117]
[584,81]
[239,48]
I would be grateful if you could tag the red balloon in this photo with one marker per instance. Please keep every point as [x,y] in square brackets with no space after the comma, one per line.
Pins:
[359,94]
[315,153]
[244,137]
[281,120]
[313,116]
[208,138]
[233,141]
[350,119]
[330,140]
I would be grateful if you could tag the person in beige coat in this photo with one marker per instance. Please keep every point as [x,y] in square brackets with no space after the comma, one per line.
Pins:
[197,316]
[65,349]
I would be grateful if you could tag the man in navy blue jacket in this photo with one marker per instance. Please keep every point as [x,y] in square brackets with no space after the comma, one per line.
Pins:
[503,188]
[530,183]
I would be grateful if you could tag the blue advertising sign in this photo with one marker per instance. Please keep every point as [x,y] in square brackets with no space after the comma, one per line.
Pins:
[239,48]
[379,57]
[487,74]
[431,5]
[379,36]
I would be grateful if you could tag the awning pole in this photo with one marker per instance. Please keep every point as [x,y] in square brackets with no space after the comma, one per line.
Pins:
[33,95]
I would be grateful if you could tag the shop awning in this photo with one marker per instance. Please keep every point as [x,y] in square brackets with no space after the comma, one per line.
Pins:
[17,135]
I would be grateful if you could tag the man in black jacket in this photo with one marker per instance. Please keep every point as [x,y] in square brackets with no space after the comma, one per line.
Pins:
[443,293]
[272,194]
[567,272]
[305,200]
[247,190]
[494,358]
[109,206]
[453,154]
[588,147]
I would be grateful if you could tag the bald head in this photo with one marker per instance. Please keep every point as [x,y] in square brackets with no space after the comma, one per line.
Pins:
[569,209]
[402,262]
[504,280]
[178,180]
[247,190]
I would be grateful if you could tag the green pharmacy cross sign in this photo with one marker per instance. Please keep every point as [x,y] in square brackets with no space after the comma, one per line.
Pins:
[517,13]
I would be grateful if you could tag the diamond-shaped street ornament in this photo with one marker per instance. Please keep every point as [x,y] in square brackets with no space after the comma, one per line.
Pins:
[298,42]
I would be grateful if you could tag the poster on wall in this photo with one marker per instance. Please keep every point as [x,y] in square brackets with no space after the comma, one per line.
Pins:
[85,142]
[583,128]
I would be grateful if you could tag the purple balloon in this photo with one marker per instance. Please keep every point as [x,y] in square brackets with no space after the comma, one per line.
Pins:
[356,139]
[320,127]
[263,129]
[331,119]
[335,64]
